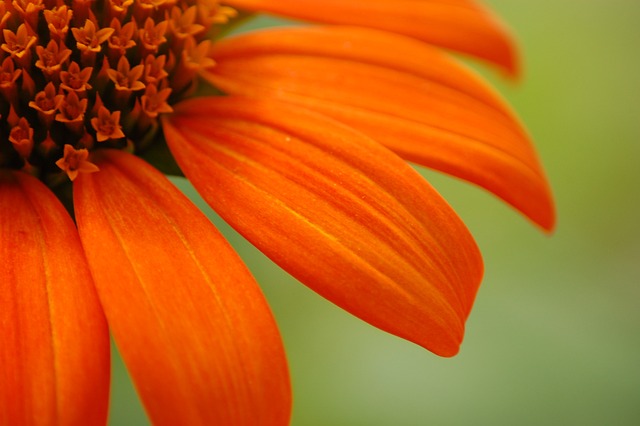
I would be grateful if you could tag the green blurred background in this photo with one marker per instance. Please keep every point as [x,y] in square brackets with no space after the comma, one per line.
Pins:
[554,337]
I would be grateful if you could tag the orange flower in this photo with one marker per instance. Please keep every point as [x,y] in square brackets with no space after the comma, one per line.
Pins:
[303,152]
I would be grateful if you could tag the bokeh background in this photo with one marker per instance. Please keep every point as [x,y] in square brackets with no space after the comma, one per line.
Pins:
[554,338]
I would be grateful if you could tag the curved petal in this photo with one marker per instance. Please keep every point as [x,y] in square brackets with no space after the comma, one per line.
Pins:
[191,323]
[54,341]
[338,211]
[408,96]
[460,25]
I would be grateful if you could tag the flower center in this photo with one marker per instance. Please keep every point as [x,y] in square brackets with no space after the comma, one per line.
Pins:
[95,73]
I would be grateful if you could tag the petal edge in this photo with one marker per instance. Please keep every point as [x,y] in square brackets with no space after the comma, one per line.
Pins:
[189,320]
[460,25]
[55,343]
[416,101]
[339,212]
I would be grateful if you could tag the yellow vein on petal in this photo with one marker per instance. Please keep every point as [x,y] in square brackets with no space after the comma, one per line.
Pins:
[189,249]
[357,259]
[500,152]
[135,269]
[291,96]
[431,246]
[47,275]
[379,212]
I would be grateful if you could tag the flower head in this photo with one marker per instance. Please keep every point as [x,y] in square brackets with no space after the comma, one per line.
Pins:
[303,151]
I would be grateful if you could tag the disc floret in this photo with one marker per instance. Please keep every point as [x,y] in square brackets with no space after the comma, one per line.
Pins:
[95,73]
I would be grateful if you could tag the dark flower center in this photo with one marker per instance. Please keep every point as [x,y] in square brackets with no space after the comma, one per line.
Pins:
[95,73]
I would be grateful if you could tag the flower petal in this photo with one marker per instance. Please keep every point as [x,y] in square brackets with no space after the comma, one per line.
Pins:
[338,211]
[54,341]
[459,25]
[408,96]
[191,323]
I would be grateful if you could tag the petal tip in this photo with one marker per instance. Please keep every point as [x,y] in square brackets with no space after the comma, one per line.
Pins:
[546,217]
[447,346]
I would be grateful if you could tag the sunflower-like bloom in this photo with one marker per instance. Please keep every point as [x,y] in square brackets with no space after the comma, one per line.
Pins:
[300,145]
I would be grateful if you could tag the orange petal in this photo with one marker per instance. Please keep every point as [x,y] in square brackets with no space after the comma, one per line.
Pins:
[338,211]
[54,342]
[459,25]
[408,96]
[191,323]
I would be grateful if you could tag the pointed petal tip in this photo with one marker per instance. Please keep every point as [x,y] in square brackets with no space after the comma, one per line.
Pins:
[549,226]
[545,216]
[449,352]
[445,345]
[507,51]
[512,67]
